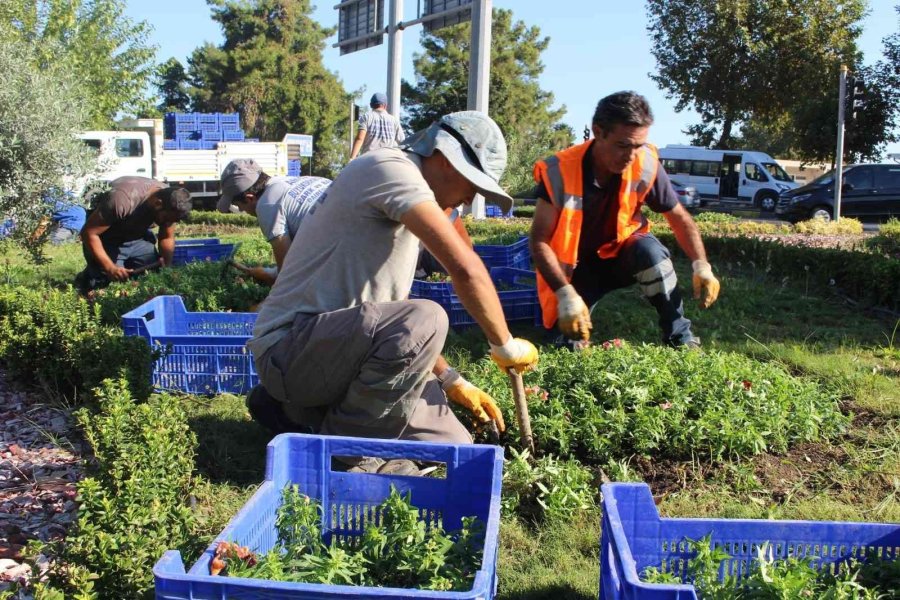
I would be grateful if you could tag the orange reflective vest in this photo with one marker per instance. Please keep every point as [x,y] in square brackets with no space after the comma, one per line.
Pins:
[563,179]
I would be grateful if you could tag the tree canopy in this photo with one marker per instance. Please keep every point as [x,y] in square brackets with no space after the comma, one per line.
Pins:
[107,52]
[171,83]
[521,108]
[767,67]
[270,69]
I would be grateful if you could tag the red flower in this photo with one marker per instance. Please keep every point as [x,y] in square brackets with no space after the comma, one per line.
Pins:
[747,384]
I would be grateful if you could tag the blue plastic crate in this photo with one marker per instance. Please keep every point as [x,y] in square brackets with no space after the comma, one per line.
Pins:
[229,118]
[470,488]
[232,135]
[515,256]
[294,168]
[188,144]
[204,145]
[519,303]
[634,537]
[251,139]
[230,127]
[211,136]
[207,118]
[170,145]
[203,353]
[209,249]
[494,212]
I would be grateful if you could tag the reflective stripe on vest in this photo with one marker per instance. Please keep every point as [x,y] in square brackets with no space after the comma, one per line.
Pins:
[563,178]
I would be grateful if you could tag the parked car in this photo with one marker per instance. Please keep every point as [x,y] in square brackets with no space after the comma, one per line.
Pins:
[687,195]
[870,192]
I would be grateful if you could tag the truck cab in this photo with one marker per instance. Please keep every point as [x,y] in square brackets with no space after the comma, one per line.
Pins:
[120,153]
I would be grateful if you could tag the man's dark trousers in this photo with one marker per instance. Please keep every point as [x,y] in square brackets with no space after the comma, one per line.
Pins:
[131,254]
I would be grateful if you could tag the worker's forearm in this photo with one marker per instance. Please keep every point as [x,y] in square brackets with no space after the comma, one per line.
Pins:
[548,265]
[687,234]
[357,144]
[95,246]
[476,291]
[167,250]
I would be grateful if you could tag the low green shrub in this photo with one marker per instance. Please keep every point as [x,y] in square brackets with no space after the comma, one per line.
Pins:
[887,241]
[208,217]
[56,338]
[846,226]
[204,286]
[616,400]
[524,212]
[496,231]
[545,488]
[134,504]
[862,276]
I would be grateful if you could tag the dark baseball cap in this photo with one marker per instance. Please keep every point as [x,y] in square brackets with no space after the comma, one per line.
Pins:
[237,177]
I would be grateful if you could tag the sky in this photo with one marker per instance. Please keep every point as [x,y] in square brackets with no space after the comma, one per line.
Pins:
[596,47]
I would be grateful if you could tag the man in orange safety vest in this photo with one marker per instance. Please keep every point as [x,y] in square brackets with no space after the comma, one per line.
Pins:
[589,236]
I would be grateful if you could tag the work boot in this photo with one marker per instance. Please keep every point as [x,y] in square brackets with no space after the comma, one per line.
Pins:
[269,412]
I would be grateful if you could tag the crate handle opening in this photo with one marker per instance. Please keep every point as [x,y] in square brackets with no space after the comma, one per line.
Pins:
[149,315]
[430,468]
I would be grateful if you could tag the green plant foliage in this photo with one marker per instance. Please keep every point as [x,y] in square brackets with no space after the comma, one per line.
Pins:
[95,42]
[133,506]
[615,400]
[862,276]
[400,551]
[204,286]
[208,217]
[499,232]
[42,107]
[888,239]
[845,226]
[270,69]
[524,112]
[545,488]
[778,579]
[56,338]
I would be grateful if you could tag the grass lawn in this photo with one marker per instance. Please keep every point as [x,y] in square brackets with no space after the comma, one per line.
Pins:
[810,332]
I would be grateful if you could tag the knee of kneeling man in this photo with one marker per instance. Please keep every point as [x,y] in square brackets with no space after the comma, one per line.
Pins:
[430,314]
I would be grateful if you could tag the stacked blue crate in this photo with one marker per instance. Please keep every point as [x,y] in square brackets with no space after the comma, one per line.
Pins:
[293,168]
[201,131]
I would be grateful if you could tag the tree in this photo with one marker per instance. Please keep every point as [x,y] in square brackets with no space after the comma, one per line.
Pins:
[107,51]
[171,82]
[521,108]
[41,110]
[270,69]
[740,62]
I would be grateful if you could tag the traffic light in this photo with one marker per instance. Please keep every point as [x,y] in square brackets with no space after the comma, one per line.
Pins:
[856,96]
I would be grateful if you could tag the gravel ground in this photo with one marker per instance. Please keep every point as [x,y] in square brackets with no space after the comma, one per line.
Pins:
[39,466]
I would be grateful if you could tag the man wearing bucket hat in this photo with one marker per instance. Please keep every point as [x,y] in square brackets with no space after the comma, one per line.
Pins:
[338,346]
[279,204]
[377,128]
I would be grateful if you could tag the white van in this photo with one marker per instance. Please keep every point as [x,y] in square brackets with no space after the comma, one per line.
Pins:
[728,176]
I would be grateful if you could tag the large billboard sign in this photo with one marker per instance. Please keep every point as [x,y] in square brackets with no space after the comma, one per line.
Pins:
[360,24]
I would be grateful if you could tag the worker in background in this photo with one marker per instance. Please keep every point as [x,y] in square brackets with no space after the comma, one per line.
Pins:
[339,347]
[589,236]
[279,204]
[377,128]
[66,222]
[116,238]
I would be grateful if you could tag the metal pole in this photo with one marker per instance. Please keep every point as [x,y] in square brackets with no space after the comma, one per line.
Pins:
[480,71]
[839,155]
[395,47]
[352,104]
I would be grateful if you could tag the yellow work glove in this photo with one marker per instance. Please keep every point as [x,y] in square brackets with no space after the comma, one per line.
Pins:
[574,314]
[706,286]
[477,402]
[516,353]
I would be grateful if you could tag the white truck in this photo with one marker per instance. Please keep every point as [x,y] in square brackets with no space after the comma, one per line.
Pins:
[137,149]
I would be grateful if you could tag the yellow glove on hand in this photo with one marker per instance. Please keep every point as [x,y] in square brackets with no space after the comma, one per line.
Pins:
[706,286]
[574,314]
[477,402]
[516,353]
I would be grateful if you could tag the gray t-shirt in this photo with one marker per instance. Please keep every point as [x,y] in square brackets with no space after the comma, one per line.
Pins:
[354,247]
[286,201]
[382,130]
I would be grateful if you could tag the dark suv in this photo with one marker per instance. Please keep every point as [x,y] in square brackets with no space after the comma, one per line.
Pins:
[870,193]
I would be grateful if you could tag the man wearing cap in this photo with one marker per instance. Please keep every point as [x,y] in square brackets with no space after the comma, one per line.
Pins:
[116,238]
[279,204]
[338,346]
[377,128]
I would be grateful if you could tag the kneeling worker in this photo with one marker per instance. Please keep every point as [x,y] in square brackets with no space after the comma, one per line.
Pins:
[278,203]
[338,345]
[116,238]
[589,236]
